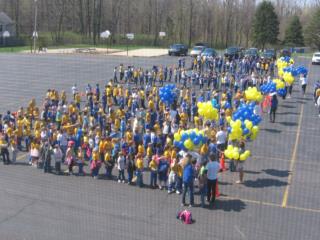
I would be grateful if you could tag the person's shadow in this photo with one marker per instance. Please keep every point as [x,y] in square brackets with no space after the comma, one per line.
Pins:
[276,172]
[264,182]
[229,205]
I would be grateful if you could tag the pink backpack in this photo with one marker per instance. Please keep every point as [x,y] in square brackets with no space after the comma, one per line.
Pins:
[185,216]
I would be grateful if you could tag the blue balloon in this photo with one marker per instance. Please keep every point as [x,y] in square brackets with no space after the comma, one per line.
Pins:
[184,137]
[196,141]
[246,131]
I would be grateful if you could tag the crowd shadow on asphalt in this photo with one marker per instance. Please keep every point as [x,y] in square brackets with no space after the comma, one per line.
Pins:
[288,124]
[271,130]
[264,182]
[288,113]
[229,205]
[251,172]
[276,172]
[288,106]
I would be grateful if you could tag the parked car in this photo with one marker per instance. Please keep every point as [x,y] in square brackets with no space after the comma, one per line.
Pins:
[252,53]
[316,58]
[197,50]
[178,50]
[209,52]
[233,52]
[269,54]
[285,53]
[201,44]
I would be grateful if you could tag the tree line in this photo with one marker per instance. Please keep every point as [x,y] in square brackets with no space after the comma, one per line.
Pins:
[220,23]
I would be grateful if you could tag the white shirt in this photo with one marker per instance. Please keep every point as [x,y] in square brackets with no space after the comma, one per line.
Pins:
[62,138]
[221,137]
[57,153]
[303,80]
[121,163]
[213,169]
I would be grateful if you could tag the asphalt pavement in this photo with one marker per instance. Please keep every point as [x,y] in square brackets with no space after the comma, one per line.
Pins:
[280,198]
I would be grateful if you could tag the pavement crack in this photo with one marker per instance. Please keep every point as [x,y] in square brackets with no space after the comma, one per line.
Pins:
[17,212]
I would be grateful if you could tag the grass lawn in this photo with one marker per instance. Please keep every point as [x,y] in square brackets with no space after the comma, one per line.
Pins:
[121,47]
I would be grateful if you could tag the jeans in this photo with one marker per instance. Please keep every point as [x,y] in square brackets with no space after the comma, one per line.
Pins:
[121,175]
[5,155]
[139,178]
[95,172]
[203,193]
[58,167]
[130,175]
[179,184]
[188,187]
[211,193]
[47,165]
[80,165]
[153,178]
[273,114]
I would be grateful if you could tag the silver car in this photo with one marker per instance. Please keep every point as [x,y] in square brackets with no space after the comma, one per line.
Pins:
[197,50]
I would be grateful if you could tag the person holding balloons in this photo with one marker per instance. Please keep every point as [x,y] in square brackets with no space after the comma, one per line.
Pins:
[240,162]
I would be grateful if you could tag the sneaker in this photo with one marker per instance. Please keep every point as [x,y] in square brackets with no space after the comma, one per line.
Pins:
[239,182]
[191,205]
[123,181]
[119,181]
[177,192]
[160,187]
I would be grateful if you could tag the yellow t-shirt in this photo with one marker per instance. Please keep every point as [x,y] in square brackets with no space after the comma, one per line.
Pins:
[139,164]
[153,165]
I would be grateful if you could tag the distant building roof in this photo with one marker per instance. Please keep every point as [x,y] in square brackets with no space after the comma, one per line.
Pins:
[4,19]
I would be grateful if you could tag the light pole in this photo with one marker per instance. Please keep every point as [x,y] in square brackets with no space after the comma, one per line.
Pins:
[35,34]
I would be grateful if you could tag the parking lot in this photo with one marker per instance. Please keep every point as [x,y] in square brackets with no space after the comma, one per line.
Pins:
[280,198]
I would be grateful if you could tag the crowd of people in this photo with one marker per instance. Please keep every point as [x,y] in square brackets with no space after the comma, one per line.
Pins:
[125,129]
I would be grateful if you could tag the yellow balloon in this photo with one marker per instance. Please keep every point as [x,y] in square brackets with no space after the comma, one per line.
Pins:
[235,155]
[177,137]
[248,124]
[243,157]
[255,129]
[188,144]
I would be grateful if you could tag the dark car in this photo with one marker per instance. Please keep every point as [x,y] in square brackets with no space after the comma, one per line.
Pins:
[200,44]
[178,50]
[233,52]
[285,53]
[209,52]
[269,54]
[252,53]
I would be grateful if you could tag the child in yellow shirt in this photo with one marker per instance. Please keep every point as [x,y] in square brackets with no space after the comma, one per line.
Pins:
[139,170]
[153,172]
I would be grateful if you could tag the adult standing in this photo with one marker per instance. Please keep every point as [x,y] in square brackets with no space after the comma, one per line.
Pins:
[274,106]
[187,178]
[213,168]
[221,137]
[304,82]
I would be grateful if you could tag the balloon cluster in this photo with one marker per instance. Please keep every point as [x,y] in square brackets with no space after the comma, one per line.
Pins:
[280,87]
[269,87]
[252,94]
[168,94]
[282,63]
[191,139]
[208,110]
[234,153]
[244,123]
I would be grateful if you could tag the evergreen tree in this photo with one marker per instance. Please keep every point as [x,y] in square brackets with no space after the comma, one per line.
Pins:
[293,34]
[265,25]
[312,32]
